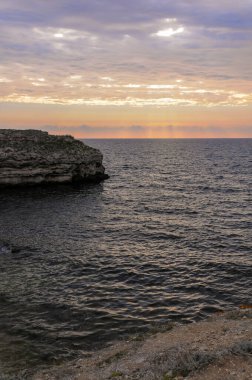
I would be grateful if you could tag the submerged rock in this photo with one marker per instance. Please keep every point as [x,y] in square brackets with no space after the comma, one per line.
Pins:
[30,157]
[5,248]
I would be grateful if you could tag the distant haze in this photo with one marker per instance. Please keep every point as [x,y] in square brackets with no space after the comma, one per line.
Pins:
[127,69]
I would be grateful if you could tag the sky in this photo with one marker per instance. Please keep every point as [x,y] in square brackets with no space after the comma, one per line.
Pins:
[127,68]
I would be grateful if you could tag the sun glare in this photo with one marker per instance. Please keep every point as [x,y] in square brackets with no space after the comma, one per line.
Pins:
[169,32]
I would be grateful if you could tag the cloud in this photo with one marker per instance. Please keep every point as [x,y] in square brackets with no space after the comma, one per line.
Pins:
[114,13]
[73,92]
[138,131]
[126,53]
[169,32]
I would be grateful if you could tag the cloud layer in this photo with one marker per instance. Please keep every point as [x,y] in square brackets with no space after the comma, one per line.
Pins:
[134,54]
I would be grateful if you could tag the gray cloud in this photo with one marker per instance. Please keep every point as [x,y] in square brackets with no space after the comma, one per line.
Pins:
[91,130]
[119,12]
[140,131]
[116,38]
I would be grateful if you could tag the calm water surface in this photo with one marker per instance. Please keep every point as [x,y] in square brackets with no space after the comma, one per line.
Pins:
[167,237]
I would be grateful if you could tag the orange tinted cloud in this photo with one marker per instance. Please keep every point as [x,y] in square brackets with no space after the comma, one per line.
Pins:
[144,63]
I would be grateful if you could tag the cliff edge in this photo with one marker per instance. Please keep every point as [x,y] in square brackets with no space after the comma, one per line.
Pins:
[31,157]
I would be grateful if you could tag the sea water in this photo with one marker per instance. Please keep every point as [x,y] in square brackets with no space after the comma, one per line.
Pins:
[166,238]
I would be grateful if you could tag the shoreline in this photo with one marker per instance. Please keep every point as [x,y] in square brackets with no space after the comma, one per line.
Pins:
[217,348]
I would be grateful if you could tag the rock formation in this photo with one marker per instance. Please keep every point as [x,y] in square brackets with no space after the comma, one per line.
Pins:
[29,157]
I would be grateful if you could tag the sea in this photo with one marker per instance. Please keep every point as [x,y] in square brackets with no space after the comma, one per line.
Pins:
[166,239]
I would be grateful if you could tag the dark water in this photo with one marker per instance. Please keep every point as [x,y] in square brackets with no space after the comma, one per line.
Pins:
[168,237]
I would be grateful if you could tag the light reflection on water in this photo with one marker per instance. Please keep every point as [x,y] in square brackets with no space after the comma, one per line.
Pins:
[166,237]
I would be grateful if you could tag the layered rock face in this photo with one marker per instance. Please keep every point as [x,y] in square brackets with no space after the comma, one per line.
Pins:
[29,157]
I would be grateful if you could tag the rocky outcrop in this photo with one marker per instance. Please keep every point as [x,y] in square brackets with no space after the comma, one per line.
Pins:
[29,157]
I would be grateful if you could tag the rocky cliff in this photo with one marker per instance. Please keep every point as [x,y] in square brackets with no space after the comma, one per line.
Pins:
[29,157]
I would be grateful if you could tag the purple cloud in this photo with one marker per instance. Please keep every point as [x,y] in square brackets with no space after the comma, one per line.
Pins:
[59,52]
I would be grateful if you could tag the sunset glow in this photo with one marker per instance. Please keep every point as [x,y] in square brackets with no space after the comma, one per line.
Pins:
[135,69]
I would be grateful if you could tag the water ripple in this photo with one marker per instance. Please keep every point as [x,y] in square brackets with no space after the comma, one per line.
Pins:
[168,237]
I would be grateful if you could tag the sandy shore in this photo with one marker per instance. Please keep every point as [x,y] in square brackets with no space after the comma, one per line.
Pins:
[219,348]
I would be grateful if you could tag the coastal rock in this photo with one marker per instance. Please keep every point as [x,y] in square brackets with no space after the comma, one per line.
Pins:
[31,157]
